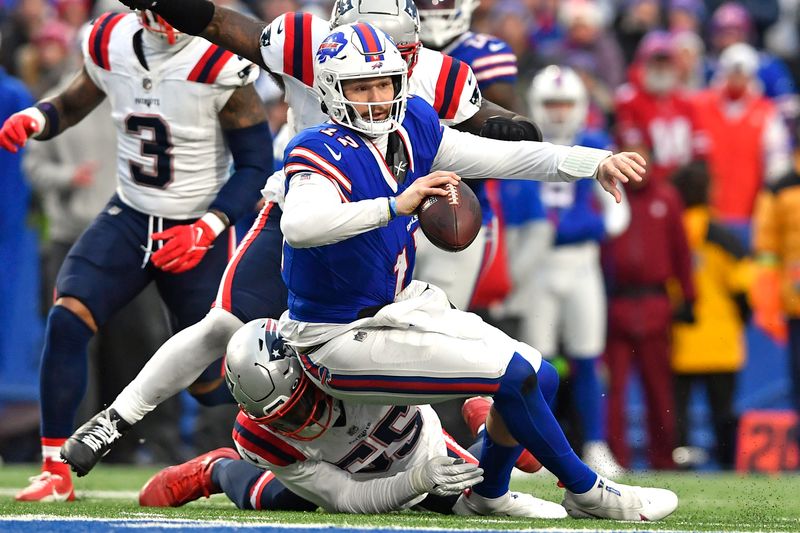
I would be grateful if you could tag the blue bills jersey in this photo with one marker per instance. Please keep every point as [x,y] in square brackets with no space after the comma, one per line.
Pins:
[572,207]
[492,61]
[334,283]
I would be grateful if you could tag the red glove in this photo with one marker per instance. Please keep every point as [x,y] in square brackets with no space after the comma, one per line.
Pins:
[19,127]
[186,244]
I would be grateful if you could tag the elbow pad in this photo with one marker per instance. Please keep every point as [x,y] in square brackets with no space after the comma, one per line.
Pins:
[506,129]
[251,149]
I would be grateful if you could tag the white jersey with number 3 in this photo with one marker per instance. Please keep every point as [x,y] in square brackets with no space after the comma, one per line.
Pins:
[172,156]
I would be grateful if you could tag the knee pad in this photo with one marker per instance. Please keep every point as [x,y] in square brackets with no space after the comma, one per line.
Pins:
[548,381]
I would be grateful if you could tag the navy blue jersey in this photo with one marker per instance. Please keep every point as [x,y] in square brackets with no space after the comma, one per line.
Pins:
[490,58]
[492,61]
[333,283]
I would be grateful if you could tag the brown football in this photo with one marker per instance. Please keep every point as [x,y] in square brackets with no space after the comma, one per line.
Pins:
[451,222]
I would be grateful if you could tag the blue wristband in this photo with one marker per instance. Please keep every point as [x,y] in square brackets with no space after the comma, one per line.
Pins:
[392,207]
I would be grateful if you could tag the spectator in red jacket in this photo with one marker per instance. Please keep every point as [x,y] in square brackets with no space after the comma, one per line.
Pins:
[639,263]
[654,116]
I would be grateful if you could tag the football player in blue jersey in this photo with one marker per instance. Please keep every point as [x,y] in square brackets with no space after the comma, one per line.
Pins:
[363,330]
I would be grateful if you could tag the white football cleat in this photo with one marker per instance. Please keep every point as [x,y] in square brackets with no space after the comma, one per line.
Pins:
[598,456]
[620,502]
[509,504]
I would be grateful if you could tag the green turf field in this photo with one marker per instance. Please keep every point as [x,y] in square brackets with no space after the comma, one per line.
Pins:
[709,502]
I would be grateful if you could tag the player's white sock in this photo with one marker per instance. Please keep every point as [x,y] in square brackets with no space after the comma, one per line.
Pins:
[177,364]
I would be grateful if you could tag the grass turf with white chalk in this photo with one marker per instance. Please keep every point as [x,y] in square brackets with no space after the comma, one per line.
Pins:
[708,502]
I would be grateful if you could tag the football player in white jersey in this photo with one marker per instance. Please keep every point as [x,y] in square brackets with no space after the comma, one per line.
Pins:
[252,286]
[366,332]
[319,451]
[186,112]
[568,290]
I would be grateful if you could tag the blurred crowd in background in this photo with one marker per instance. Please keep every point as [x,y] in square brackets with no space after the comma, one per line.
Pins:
[701,286]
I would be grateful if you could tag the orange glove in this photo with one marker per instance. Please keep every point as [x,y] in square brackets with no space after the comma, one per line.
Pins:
[186,244]
[19,127]
[765,297]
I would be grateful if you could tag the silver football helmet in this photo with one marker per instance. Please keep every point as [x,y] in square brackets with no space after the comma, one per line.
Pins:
[397,18]
[265,378]
[444,20]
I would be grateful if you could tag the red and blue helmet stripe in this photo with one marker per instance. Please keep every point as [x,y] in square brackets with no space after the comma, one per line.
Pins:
[370,42]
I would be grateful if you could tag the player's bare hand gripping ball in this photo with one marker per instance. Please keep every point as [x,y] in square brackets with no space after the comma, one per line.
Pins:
[430,185]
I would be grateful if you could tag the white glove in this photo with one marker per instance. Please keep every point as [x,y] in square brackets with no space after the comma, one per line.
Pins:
[445,476]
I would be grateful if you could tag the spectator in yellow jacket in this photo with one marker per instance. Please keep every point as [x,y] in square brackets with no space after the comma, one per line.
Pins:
[711,349]
[776,242]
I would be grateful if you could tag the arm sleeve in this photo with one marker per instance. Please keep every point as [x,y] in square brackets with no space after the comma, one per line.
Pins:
[616,216]
[251,149]
[314,214]
[335,490]
[471,156]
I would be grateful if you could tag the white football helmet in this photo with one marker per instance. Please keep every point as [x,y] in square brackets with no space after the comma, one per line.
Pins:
[444,20]
[397,18]
[156,24]
[360,52]
[558,85]
[266,380]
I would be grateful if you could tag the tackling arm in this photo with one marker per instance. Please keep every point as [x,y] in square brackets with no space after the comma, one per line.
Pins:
[336,490]
[222,26]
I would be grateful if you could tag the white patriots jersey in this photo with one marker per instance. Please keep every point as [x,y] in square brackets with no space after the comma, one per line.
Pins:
[172,157]
[288,46]
[367,442]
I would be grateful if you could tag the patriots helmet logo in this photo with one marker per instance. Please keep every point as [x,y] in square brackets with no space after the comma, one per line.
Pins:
[331,46]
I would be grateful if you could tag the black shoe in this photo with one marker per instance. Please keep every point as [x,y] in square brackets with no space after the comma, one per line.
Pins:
[84,449]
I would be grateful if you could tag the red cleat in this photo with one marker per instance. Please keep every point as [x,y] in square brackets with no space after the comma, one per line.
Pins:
[475,410]
[54,484]
[178,485]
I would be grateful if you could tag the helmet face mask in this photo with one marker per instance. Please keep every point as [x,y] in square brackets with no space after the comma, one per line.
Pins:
[265,377]
[155,24]
[558,103]
[397,18]
[359,52]
[444,20]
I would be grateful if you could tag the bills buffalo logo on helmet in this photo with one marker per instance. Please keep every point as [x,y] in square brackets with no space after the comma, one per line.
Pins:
[331,46]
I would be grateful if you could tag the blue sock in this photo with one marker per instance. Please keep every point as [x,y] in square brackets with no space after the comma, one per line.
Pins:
[237,479]
[497,462]
[587,393]
[63,371]
[520,400]
[548,382]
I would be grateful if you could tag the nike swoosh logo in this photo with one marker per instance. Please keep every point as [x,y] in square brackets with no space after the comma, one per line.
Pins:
[494,47]
[336,155]
[60,496]
[280,27]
